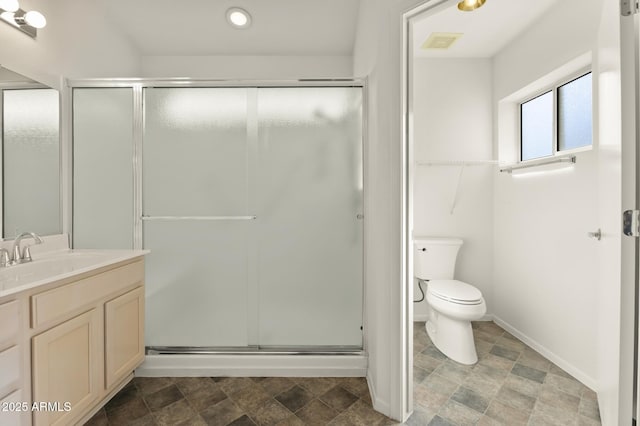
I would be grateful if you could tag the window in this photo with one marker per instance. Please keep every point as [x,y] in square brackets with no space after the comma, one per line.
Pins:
[536,123]
[557,120]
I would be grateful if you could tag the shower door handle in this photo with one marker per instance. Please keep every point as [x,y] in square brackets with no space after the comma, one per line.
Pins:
[146,218]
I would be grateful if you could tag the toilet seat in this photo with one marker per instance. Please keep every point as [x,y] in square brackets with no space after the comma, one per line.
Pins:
[455,291]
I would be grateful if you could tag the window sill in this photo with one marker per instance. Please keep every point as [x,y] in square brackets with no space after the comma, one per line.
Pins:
[556,161]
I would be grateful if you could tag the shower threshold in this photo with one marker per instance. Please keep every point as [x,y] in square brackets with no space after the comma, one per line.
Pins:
[253,350]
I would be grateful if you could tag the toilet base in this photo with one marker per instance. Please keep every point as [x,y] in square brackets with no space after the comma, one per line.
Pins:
[452,337]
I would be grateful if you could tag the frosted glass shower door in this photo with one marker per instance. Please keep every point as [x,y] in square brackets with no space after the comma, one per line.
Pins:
[310,197]
[252,203]
[195,217]
[103,168]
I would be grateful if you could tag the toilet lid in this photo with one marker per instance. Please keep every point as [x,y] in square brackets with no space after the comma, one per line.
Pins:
[455,291]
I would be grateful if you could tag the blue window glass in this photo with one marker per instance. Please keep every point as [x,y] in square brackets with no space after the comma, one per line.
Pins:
[536,127]
[574,114]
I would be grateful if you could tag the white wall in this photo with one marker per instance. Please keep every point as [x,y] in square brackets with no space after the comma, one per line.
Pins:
[378,243]
[452,116]
[77,42]
[248,67]
[377,55]
[546,269]
[548,44]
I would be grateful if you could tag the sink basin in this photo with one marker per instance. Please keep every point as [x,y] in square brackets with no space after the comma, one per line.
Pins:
[59,265]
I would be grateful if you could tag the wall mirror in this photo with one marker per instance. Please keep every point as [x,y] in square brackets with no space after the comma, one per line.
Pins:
[30,156]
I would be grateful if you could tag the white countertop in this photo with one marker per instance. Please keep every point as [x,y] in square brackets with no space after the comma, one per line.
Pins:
[55,265]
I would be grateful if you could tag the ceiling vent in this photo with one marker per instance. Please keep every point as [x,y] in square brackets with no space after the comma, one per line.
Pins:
[441,41]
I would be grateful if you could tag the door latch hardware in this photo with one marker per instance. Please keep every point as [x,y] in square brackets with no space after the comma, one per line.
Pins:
[629,7]
[631,223]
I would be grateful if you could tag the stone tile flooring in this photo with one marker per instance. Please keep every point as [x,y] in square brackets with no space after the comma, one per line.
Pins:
[241,401]
[510,385]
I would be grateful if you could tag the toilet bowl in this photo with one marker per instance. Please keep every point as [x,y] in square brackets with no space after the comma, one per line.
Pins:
[453,304]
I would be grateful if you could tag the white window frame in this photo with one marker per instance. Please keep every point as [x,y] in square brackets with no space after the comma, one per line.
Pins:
[553,88]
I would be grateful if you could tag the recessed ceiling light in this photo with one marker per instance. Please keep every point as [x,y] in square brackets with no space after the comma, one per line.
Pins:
[469,5]
[238,18]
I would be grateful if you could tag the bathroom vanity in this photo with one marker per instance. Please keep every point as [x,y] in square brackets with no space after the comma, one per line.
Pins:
[71,333]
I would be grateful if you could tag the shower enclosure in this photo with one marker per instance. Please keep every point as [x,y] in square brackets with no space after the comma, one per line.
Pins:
[250,200]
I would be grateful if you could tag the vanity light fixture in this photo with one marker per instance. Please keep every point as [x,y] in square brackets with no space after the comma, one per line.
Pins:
[469,5]
[238,18]
[27,22]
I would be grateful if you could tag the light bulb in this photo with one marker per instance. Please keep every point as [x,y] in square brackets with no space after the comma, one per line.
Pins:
[239,18]
[35,19]
[9,17]
[9,5]
[469,3]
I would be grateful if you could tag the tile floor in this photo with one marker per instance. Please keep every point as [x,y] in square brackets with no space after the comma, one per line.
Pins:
[510,385]
[241,401]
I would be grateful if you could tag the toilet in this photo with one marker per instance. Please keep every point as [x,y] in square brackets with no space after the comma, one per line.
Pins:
[453,304]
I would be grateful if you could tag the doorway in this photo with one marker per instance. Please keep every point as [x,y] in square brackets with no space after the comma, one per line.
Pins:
[441,179]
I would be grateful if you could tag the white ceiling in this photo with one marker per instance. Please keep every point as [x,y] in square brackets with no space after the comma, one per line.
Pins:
[486,30]
[199,27]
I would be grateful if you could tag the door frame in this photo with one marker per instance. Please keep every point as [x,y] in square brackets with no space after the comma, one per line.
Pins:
[423,7]
[628,386]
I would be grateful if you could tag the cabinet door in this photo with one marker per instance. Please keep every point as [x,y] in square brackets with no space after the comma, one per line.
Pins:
[10,370]
[124,328]
[67,362]
[16,412]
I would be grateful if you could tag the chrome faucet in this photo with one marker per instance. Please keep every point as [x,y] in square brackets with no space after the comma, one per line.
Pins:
[25,256]
[5,259]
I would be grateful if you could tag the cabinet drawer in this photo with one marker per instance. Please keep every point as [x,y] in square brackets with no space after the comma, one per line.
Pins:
[10,370]
[59,302]
[10,323]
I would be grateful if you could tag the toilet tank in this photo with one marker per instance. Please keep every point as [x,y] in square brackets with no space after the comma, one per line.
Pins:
[435,258]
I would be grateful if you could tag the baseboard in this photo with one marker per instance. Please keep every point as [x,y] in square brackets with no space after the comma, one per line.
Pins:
[560,362]
[420,317]
[378,404]
[253,366]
